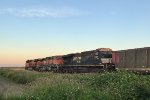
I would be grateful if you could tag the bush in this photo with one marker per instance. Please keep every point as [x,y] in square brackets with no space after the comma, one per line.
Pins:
[58,88]
[121,85]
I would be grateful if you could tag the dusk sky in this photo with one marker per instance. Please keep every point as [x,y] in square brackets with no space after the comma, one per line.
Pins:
[39,28]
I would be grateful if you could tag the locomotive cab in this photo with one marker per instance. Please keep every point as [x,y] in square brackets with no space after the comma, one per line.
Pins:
[105,58]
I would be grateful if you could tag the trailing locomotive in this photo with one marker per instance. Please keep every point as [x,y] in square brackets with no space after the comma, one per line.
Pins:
[88,61]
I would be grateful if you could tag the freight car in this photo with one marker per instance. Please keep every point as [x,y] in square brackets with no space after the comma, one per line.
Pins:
[88,61]
[132,59]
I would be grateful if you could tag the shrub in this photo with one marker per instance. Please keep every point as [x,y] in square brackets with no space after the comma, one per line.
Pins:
[121,85]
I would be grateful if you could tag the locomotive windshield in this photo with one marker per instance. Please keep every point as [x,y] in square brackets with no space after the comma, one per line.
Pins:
[106,54]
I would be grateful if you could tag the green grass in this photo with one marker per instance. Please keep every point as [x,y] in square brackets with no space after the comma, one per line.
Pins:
[119,85]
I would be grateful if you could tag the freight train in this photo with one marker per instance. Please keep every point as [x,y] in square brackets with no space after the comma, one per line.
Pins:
[102,59]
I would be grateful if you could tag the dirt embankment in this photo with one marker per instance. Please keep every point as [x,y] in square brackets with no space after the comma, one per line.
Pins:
[8,87]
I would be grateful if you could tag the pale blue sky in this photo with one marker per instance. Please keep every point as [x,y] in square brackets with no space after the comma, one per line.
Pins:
[39,28]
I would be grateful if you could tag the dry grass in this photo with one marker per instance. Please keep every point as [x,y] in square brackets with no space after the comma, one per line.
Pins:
[13,68]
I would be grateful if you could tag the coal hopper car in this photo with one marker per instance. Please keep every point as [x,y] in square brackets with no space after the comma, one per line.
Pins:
[132,59]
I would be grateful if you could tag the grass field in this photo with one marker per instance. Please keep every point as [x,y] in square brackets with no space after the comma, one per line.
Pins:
[118,85]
